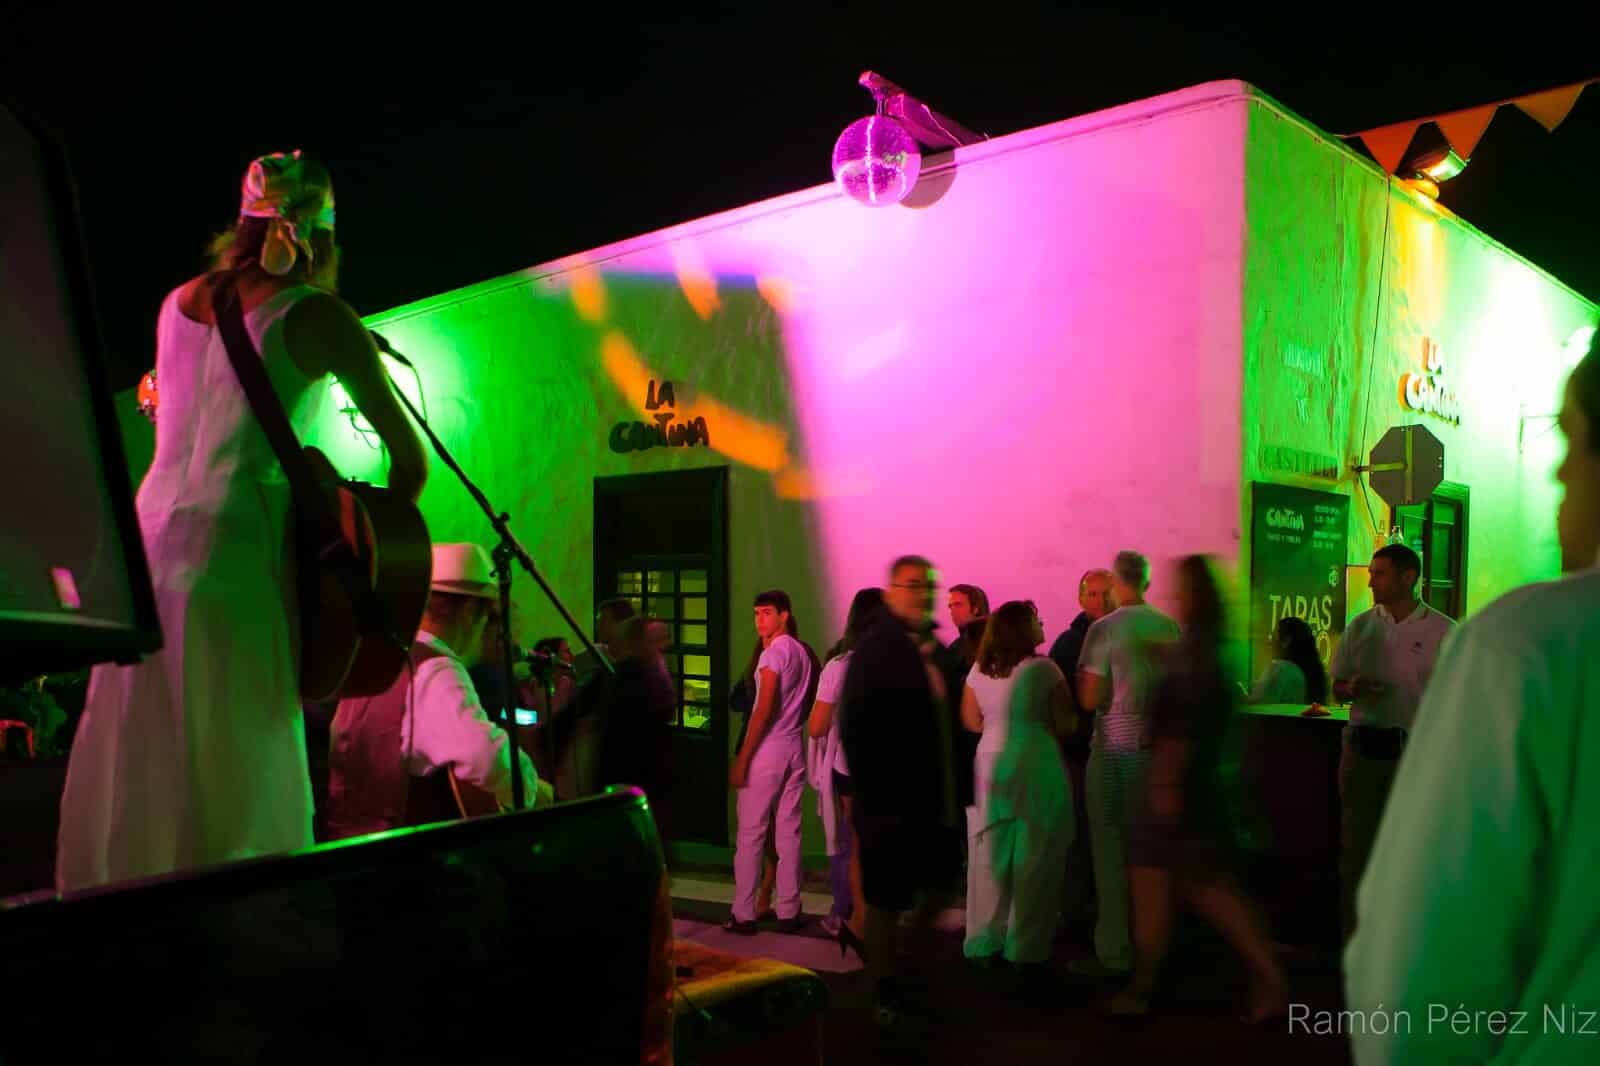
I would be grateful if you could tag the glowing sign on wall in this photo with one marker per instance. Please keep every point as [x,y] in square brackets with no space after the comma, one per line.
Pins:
[1431,392]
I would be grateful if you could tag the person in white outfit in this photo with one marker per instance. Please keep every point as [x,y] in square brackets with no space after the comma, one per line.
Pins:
[197,755]
[1296,673]
[424,750]
[1021,822]
[1479,893]
[1117,674]
[829,774]
[769,771]
[1382,666]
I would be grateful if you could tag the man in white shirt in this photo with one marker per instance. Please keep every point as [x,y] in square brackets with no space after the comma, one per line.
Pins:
[1479,915]
[769,770]
[1382,665]
[1117,674]
[393,756]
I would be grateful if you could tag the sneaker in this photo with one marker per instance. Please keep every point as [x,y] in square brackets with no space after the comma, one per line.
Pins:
[738,928]
[792,925]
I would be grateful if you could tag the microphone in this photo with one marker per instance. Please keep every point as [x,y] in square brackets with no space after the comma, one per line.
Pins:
[546,659]
[388,349]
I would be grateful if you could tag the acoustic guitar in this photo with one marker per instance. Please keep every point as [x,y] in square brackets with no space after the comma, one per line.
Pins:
[474,802]
[364,558]
[394,556]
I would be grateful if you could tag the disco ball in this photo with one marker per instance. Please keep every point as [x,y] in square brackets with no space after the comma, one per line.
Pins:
[876,162]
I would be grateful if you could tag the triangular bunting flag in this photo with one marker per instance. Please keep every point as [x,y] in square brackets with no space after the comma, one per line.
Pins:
[1463,129]
[1548,109]
[1388,144]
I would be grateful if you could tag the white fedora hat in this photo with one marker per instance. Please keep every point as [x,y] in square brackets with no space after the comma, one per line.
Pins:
[464,569]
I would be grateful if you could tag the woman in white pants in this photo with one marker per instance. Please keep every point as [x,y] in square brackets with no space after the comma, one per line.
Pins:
[1021,822]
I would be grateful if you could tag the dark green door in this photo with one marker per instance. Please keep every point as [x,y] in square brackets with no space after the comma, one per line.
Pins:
[660,541]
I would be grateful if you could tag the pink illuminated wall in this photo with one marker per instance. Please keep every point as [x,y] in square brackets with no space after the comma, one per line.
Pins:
[1036,369]
[1030,365]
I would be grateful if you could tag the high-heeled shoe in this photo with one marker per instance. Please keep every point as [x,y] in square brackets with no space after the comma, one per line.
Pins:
[849,941]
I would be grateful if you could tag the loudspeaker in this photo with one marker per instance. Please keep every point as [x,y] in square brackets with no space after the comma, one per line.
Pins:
[74,584]
[400,947]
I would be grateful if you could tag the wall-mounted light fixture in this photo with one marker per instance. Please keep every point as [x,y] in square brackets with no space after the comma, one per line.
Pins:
[1430,161]
[1438,165]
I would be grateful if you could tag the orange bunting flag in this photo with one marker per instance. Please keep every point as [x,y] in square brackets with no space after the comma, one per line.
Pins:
[1388,144]
[1551,107]
[1463,129]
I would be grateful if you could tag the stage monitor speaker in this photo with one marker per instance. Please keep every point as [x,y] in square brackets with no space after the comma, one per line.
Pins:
[542,936]
[74,584]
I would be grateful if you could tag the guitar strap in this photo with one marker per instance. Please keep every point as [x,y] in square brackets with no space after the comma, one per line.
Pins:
[317,526]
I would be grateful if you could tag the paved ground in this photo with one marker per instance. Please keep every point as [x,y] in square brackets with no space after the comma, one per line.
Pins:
[985,1017]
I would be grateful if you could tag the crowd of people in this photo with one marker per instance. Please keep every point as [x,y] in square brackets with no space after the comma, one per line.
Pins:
[1460,851]
[929,756]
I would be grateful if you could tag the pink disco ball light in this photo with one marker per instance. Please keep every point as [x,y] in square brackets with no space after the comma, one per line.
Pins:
[876,162]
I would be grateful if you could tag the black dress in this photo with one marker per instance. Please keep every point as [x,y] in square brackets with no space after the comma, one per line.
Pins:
[1193,702]
[900,762]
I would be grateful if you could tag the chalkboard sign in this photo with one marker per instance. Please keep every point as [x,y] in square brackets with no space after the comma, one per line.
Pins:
[1298,541]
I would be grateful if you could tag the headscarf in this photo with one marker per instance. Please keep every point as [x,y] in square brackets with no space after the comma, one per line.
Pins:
[297,198]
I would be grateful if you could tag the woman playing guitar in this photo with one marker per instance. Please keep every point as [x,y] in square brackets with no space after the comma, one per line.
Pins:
[196,755]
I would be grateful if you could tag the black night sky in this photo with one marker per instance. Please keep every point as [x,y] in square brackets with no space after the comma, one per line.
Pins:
[505,138]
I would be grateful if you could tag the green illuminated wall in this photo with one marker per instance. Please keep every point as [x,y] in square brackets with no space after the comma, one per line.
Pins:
[1346,274]
[521,379]
[518,390]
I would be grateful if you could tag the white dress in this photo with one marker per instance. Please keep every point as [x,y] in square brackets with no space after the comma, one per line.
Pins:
[1021,822]
[197,755]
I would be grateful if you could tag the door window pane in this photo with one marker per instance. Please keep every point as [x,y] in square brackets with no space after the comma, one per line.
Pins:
[692,635]
[664,607]
[628,581]
[662,580]
[696,691]
[692,581]
[697,717]
[694,608]
[697,665]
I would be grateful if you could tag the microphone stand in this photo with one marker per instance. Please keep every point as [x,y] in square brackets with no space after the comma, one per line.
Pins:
[505,551]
